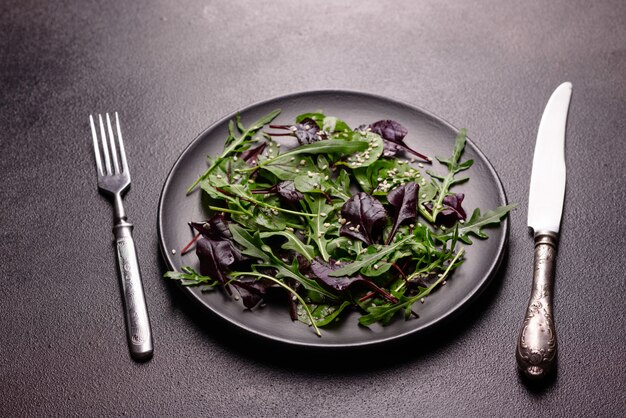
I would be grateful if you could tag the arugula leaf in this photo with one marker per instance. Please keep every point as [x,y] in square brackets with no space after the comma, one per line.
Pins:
[256,248]
[323,270]
[293,243]
[476,223]
[319,206]
[444,183]
[235,141]
[189,277]
[384,313]
[283,285]
[310,182]
[252,244]
[369,259]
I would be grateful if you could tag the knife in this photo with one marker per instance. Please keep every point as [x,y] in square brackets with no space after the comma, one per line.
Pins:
[536,346]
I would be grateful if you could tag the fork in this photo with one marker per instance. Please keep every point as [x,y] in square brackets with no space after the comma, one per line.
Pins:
[114,181]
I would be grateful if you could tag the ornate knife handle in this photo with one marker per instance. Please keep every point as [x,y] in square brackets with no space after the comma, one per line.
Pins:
[536,347]
[136,313]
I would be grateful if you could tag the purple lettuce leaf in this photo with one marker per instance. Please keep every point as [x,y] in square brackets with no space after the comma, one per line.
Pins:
[216,257]
[393,134]
[365,218]
[390,130]
[306,131]
[452,210]
[252,290]
[286,190]
[251,155]
[321,270]
[404,201]
[215,248]
[216,228]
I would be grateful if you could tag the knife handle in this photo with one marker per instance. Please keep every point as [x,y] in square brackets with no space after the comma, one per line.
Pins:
[137,322]
[536,346]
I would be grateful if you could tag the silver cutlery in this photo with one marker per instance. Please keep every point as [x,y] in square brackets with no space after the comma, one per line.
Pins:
[536,346]
[114,181]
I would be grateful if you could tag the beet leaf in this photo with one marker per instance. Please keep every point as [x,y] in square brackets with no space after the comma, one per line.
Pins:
[322,271]
[365,217]
[404,201]
[393,134]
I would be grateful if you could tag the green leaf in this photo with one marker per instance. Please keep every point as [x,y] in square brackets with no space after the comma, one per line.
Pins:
[284,286]
[476,223]
[317,229]
[293,243]
[384,313]
[367,156]
[189,277]
[316,116]
[262,121]
[329,146]
[376,269]
[251,243]
[381,313]
[307,183]
[289,169]
[332,124]
[454,166]
[232,133]
[233,144]
[343,182]
[271,222]
[255,247]
[369,259]
[340,246]
[322,314]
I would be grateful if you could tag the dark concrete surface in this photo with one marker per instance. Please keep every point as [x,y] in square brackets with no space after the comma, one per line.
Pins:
[173,68]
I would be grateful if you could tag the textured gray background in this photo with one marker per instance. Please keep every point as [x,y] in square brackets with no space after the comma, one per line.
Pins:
[173,68]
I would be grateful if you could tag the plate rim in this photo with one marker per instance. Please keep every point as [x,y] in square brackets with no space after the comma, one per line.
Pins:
[451,312]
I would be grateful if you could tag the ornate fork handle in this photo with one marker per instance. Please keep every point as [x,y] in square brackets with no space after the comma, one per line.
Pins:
[536,347]
[136,313]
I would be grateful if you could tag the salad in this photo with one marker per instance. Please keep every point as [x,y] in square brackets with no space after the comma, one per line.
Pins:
[328,219]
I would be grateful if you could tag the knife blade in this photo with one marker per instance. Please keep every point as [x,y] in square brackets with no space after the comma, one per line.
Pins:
[537,343]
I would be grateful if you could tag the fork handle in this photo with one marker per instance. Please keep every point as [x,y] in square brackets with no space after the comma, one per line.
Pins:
[136,313]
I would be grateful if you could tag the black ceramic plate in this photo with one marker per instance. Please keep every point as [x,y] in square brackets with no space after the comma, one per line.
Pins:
[427,133]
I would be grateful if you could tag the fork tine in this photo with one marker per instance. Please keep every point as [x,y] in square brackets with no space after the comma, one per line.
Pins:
[96,148]
[121,145]
[105,147]
[116,166]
